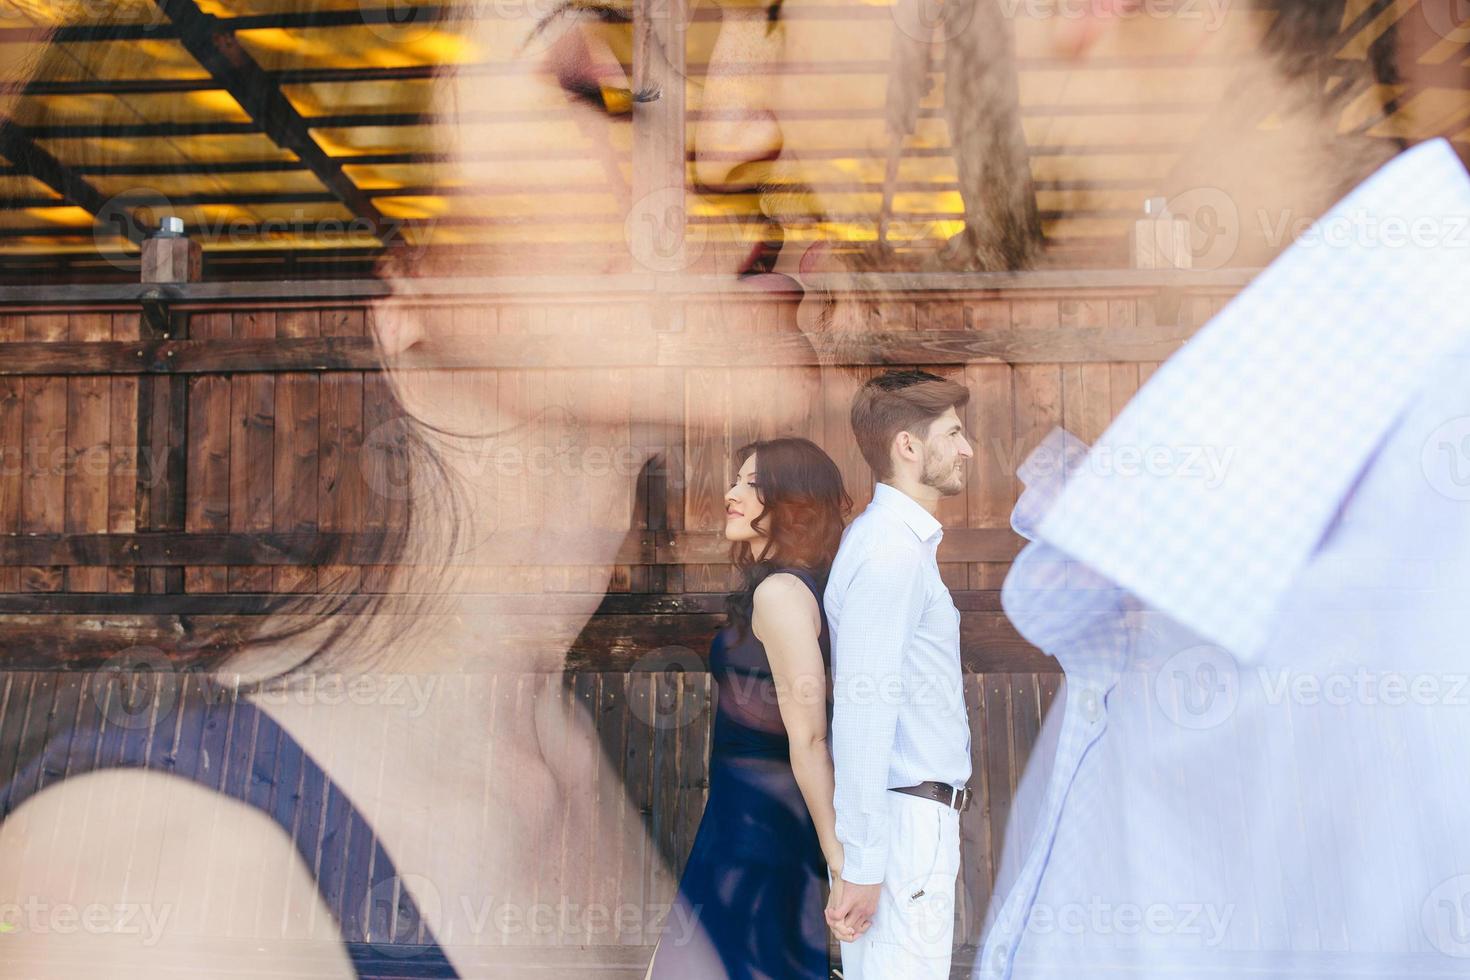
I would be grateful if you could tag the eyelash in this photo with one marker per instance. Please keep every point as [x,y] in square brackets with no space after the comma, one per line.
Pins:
[591,94]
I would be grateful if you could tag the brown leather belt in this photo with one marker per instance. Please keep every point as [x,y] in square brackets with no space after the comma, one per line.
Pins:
[958,797]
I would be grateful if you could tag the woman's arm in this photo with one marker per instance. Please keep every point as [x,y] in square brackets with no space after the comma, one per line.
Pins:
[788,622]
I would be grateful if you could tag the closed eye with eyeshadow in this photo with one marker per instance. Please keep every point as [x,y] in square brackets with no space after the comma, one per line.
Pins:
[584,59]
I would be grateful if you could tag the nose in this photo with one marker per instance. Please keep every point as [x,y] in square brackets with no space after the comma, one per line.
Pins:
[966,450]
[735,125]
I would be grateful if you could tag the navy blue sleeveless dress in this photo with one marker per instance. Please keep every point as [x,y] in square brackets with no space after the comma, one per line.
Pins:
[60,724]
[756,878]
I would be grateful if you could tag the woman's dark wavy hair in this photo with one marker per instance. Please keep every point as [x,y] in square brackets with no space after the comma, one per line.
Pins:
[805,508]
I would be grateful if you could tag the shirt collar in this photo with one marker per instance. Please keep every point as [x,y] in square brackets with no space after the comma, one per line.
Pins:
[1213,487]
[924,524]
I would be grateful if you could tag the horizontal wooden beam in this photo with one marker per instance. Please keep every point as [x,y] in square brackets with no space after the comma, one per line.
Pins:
[337,548]
[598,289]
[988,643]
[599,349]
[478,604]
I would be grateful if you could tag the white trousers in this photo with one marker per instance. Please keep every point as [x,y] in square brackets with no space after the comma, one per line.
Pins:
[912,935]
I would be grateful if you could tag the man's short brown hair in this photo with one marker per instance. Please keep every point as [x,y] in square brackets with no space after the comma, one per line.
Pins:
[899,401]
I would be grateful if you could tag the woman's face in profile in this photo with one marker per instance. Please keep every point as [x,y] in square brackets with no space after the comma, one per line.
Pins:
[547,122]
[743,504]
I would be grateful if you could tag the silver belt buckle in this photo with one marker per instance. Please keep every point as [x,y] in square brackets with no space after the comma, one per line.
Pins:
[954,795]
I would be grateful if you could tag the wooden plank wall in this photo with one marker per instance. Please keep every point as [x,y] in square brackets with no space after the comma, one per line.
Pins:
[661,768]
[282,453]
[274,458]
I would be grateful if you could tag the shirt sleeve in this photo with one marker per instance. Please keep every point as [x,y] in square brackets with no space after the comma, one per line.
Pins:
[881,607]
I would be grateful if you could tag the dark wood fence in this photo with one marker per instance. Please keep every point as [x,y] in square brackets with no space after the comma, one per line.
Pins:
[173,454]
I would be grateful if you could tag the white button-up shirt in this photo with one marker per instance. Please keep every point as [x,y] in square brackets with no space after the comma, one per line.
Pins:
[1257,583]
[898,715]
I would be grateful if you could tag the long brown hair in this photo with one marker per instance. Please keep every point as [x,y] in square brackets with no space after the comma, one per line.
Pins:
[805,507]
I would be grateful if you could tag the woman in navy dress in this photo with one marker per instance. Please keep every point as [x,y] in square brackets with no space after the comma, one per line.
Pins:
[750,902]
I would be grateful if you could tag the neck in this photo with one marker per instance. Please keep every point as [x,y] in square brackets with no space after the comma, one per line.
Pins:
[925,495]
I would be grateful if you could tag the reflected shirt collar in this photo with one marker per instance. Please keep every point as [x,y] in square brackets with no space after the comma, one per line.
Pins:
[1212,488]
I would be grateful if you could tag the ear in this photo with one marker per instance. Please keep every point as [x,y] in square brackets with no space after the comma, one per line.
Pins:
[903,442]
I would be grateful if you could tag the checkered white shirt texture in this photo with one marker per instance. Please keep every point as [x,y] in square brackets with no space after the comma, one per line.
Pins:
[898,712]
[1257,584]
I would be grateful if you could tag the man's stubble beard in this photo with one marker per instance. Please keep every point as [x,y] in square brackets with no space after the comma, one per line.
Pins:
[950,481]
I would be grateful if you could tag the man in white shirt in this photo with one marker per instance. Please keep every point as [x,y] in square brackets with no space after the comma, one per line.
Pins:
[1256,764]
[900,736]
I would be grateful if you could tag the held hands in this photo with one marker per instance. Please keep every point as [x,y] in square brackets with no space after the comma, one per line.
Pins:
[851,907]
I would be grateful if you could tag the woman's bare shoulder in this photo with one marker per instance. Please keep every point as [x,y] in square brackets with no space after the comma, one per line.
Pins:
[136,871]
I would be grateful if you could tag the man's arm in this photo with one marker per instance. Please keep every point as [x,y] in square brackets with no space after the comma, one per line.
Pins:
[880,611]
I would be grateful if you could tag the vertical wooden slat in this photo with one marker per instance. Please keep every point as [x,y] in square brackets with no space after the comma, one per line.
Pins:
[611,509]
[340,495]
[1026,719]
[89,402]
[12,446]
[310,827]
[233,896]
[708,465]
[625,882]
[213,768]
[592,803]
[664,698]
[977,866]
[381,906]
[695,707]
[273,916]
[658,408]
[610,812]
[252,451]
[82,757]
[992,487]
[43,494]
[208,504]
[122,491]
[162,423]
[378,411]
[16,705]
[559,872]
[30,736]
[52,736]
[264,792]
[999,761]
[297,445]
[639,883]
